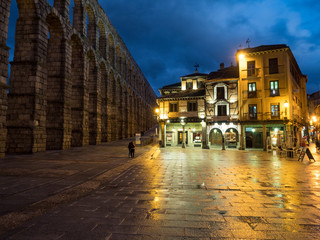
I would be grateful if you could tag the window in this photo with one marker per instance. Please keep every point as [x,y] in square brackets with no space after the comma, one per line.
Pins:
[273,66]
[294,73]
[253,111]
[251,68]
[222,110]
[200,84]
[252,91]
[220,93]
[173,107]
[192,106]
[189,85]
[274,88]
[197,136]
[275,110]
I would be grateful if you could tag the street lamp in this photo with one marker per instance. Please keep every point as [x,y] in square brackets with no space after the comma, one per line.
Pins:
[241,56]
[158,130]
[314,119]
[183,133]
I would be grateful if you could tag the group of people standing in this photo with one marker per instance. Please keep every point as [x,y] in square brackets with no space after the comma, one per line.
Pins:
[131,147]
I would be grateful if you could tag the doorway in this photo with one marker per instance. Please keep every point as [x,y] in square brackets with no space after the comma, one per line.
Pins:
[180,137]
[254,140]
[215,137]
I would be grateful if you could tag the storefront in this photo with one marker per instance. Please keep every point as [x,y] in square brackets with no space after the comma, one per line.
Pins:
[275,135]
[226,134]
[192,134]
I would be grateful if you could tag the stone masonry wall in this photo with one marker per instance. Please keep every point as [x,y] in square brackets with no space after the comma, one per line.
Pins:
[4,62]
[69,86]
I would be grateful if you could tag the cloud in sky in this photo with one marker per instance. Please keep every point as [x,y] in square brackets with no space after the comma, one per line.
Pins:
[179,33]
[167,37]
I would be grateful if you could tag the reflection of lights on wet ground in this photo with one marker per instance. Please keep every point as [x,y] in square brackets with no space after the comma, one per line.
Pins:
[277,164]
[316,178]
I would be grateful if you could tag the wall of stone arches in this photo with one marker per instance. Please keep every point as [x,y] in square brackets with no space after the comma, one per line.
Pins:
[69,86]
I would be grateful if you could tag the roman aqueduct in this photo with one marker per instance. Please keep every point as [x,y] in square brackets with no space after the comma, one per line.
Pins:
[70,84]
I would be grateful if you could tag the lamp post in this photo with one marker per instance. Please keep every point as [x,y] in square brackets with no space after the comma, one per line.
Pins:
[157,114]
[204,135]
[183,133]
[161,128]
[288,126]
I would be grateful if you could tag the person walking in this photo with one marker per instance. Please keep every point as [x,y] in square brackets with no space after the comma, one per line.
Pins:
[131,147]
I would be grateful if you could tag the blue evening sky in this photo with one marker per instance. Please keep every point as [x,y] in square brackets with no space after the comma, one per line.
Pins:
[167,37]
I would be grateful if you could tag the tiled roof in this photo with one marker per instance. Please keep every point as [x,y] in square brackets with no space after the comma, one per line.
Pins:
[175,85]
[186,93]
[196,75]
[263,48]
[315,95]
[229,72]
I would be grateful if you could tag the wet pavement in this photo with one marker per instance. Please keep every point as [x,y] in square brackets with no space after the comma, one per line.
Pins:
[97,192]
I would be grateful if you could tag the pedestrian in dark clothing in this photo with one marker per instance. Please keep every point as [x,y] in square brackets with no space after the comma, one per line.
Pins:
[131,147]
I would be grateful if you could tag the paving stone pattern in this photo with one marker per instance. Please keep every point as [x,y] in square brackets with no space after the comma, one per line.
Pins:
[192,194]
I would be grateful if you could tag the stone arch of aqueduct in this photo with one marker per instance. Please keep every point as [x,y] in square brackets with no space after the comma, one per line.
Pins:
[69,85]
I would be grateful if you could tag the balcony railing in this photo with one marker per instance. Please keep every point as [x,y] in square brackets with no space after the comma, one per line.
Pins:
[182,114]
[252,94]
[251,73]
[255,94]
[281,69]
[257,72]
[263,116]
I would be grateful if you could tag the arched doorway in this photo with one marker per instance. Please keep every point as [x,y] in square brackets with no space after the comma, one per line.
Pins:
[232,138]
[215,137]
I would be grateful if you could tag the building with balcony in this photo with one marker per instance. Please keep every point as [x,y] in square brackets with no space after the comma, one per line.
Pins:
[272,97]
[258,103]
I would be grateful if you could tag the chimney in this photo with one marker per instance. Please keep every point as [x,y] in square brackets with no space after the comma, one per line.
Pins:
[221,65]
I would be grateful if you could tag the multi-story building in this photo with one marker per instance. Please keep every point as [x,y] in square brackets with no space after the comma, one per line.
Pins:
[261,101]
[222,110]
[314,114]
[272,96]
[182,112]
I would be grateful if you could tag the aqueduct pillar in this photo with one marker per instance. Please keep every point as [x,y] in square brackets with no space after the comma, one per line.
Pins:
[26,116]
[4,63]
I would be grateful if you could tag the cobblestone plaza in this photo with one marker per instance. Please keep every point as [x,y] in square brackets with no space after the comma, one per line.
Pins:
[98,192]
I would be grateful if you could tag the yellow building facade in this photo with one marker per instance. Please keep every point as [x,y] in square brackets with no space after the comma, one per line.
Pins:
[272,97]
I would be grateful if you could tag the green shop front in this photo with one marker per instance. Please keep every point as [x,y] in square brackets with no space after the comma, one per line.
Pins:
[182,131]
[275,135]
